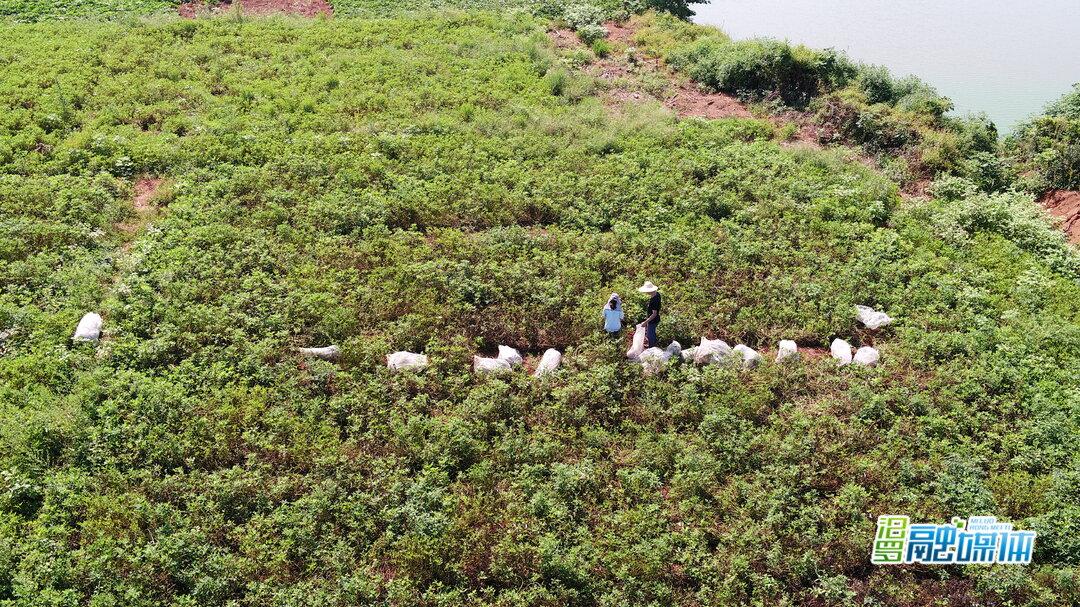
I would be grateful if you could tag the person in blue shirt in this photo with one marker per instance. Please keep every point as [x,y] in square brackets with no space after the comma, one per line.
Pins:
[653,311]
[613,316]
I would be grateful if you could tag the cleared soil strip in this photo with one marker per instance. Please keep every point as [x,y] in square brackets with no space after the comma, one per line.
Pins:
[145,190]
[1065,205]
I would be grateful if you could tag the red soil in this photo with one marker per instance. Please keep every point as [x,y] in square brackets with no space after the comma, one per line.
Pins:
[564,38]
[303,8]
[1065,205]
[145,189]
[620,32]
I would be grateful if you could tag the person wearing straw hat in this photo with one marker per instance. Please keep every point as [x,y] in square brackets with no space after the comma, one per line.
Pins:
[653,311]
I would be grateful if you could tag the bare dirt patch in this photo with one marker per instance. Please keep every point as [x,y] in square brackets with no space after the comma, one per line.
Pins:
[142,202]
[690,101]
[145,189]
[620,32]
[564,38]
[1065,205]
[686,99]
[258,8]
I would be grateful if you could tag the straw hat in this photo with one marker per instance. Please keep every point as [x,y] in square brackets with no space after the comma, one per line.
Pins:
[648,287]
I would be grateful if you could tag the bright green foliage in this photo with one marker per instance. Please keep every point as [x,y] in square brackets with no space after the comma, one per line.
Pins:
[762,68]
[1068,106]
[40,10]
[444,184]
[1048,147]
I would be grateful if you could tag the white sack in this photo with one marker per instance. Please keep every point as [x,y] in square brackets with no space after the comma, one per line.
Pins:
[711,351]
[639,343]
[867,356]
[330,353]
[510,355]
[688,354]
[489,365]
[674,349]
[871,318]
[750,358]
[548,362]
[841,351]
[653,359]
[89,328]
[406,361]
[788,350]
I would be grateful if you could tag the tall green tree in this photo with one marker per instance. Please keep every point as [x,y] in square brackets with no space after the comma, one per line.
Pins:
[679,8]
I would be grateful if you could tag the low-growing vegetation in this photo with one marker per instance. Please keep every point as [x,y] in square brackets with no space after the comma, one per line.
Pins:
[1047,148]
[53,10]
[449,183]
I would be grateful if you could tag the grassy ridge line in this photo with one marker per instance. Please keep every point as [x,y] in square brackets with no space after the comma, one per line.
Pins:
[429,184]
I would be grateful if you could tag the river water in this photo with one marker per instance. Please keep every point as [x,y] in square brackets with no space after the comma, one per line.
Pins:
[1007,59]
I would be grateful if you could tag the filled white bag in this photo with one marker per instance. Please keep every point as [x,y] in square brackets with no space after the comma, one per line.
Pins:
[711,351]
[638,346]
[673,349]
[653,360]
[510,355]
[330,353]
[750,358]
[872,319]
[688,354]
[490,365]
[548,362]
[788,350]
[406,361]
[841,351]
[867,356]
[89,328]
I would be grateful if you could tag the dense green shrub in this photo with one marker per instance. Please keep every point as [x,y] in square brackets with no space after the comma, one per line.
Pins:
[1067,107]
[1048,147]
[762,68]
[874,127]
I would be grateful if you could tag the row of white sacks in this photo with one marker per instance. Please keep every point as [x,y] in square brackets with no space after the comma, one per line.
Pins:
[708,351]
[507,359]
[717,351]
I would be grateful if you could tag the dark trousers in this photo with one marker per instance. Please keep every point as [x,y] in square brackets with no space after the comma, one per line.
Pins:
[650,334]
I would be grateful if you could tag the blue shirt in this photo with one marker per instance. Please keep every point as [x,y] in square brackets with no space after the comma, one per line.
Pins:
[612,320]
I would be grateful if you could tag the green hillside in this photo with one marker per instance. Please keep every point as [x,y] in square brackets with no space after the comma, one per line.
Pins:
[446,183]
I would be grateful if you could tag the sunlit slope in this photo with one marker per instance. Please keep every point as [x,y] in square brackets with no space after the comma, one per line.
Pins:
[446,184]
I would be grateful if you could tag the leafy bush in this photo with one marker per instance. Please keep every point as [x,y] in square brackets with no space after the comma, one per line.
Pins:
[1049,147]
[760,68]
[578,16]
[874,127]
[591,34]
[1068,106]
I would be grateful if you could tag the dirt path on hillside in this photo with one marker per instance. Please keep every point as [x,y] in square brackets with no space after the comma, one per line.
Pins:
[1065,205]
[631,77]
[258,8]
[142,202]
[625,71]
